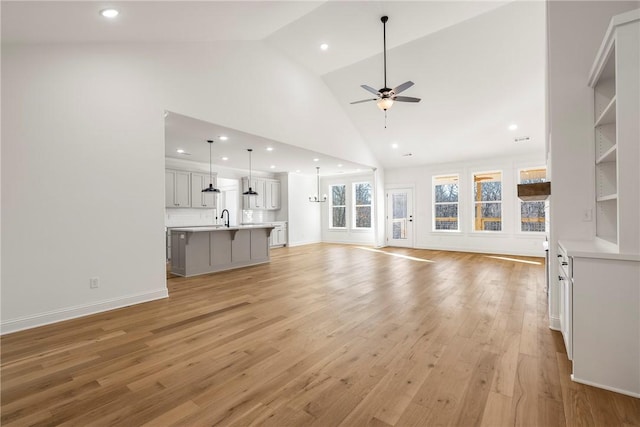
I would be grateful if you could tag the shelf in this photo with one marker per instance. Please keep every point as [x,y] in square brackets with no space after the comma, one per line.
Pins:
[608,114]
[608,156]
[607,197]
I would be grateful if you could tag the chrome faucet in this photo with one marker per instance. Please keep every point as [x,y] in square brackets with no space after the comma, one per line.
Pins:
[226,224]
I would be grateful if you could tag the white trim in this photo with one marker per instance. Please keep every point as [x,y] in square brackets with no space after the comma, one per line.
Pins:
[606,387]
[481,251]
[303,243]
[54,316]
[554,324]
[607,43]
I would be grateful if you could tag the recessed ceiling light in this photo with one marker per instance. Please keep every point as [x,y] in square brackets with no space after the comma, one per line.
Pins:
[225,158]
[223,137]
[269,148]
[340,165]
[272,166]
[513,126]
[394,145]
[180,150]
[297,170]
[316,160]
[324,46]
[109,13]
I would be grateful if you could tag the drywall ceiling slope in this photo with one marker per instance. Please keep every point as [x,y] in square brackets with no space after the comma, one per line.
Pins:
[474,80]
[354,32]
[147,21]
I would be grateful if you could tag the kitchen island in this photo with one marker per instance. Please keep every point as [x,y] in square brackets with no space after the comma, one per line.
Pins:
[201,250]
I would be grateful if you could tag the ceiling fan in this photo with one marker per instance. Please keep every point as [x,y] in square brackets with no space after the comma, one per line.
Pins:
[386,96]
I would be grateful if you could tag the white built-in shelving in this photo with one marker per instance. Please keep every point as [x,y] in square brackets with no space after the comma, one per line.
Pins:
[601,284]
[614,79]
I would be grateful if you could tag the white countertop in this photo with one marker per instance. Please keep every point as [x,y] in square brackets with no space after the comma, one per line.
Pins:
[219,228]
[596,248]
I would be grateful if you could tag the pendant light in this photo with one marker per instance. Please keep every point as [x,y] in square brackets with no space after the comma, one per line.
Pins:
[317,197]
[250,192]
[210,188]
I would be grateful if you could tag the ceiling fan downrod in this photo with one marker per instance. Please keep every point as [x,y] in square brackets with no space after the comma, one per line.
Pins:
[384,20]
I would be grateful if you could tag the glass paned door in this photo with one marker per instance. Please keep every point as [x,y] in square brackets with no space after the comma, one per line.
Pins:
[400,217]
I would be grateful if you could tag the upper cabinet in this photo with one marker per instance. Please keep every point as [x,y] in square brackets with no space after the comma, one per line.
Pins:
[272,194]
[615,78]
[268,197]
[199,181]
[177,187]
[183,189]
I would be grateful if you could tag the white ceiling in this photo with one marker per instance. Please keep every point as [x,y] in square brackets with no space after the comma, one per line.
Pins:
[192,135]
[477,65]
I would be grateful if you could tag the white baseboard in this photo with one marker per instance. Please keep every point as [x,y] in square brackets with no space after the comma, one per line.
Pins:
[554,323]
[54,316]
[534,254]
[303,243]
[614,389]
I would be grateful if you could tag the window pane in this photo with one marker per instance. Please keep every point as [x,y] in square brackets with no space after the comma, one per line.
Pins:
[446,193]
[399,229]
[488,216]
[531,176]
[363,217]
[363,194]
[339,218]
[532,216]
[399,206]
[447,217]
[338,196]
[487,186]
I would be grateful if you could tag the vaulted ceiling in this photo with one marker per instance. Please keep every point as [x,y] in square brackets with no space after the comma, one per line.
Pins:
[478,66]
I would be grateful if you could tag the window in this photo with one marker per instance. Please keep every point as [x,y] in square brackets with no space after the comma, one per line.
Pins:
[445,202]
[487,198]
[532,215]
[338,206]
[362,205]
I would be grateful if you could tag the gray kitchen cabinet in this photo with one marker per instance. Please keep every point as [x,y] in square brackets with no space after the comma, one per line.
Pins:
[177,187]
[268,197]
[272,194]
[253,202]
[199,181]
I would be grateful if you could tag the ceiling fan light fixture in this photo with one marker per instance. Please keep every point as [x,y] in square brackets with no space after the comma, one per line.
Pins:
[384,103]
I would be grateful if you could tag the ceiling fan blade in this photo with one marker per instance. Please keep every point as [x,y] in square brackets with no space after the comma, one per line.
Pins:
[364,100]
[405,99]
[370,89]
[401,88]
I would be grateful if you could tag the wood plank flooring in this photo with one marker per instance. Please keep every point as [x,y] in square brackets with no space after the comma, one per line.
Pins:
[324,335]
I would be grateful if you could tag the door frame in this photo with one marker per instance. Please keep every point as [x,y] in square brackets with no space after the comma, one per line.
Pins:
[395,187]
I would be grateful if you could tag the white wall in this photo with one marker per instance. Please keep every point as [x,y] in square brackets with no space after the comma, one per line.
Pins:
[575,32]
[509,241]
[304,216]
[83,158]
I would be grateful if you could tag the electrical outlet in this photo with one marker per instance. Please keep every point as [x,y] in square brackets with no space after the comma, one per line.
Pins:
[587,215]
[94,282]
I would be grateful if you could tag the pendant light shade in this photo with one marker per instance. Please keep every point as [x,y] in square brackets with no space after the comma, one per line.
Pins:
[250,192]
[210,188]
[316,198]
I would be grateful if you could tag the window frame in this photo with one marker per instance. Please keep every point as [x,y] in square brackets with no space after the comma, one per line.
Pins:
[521,202]
[475,202]
[331,206]
[434,204]
[354,206]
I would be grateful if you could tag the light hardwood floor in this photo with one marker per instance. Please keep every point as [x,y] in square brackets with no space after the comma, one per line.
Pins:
[324,335]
